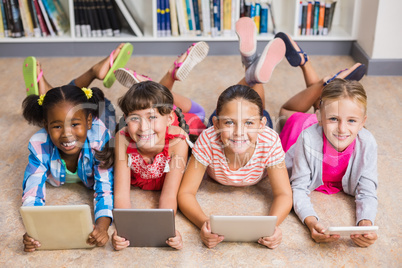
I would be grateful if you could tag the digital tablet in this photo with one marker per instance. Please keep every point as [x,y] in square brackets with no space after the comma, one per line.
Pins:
[243,228]
[145,227]
[349,230]
[58,227]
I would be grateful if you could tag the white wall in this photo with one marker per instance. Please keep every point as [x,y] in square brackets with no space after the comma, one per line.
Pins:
[379,31]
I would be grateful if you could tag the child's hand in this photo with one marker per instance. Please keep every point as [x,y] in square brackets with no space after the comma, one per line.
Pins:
[317,231]
[175,242]
[208,238]
[272,241]
[30,244]
[366,239]
[118,242]
[99,235]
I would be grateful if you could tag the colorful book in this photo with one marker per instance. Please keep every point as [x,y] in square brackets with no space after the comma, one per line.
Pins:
[217,19]
[252,10]
[6,29]
[321,19]
[1,22]
[300,17]
[196,13]
[181,19]
[173,18]
[264,19]
[28,29]
[200,17]
[190,16]
[316,17]
[167,17]
[304,19]
[326,19]
[158,18]
[227,20]
[257,16]
[42,23]
[308,18]
[34,18]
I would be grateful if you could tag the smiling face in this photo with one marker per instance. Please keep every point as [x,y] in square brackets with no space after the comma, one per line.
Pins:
[341,120]
[67,127]
[239,123]
[147,128]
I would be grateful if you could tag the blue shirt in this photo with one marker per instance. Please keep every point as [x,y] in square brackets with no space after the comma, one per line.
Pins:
[45,165]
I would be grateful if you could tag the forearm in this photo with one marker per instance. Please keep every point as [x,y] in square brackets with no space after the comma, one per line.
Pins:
[191,209]
[168,202]
[281,207]
[103,223]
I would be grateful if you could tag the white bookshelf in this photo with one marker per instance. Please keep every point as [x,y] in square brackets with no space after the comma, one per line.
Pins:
[285,11]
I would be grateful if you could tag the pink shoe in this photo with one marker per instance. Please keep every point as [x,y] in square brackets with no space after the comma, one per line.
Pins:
[261,70]
[247,33]
[195,55]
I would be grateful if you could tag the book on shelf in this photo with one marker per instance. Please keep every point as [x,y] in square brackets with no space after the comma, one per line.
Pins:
[34,19]
[104,21]
[206,17]
[45,15]
[17,29]
[96,30]
[271,13]
[58,17]
[235,15]
[167,18]
[181,19]
[173,18]
[111,13]
[42,24]
[321,19]
[300,20]
[26,18]
[264,19]
[6,29]
[227,20]
[316,18]
[196,12]
[129,18]
[200,17]
[1,21]
[308,18]
[257,14]
[217,21]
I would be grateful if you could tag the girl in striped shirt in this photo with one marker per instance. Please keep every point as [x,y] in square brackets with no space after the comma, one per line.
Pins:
[239,149]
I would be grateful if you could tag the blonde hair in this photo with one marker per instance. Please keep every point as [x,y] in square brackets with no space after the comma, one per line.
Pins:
[341,88]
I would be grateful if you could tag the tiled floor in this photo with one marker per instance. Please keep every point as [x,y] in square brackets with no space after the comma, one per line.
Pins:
[204,84]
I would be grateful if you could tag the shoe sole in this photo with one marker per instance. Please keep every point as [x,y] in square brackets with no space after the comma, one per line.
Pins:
[272,55]
[292,55]
[247,33]
[357,74]
[195,56]
[30,76]
[125,78]
[120,61]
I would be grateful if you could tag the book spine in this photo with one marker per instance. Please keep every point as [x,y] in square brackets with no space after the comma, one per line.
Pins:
[264,19]
[247,8]
[304,19]
[180,18]
[64,20]
[112,17]
[46,18]
[173,18]
[271,12]
[189,17]
[163,18]
[200,16]
[300,18]
[35,22]
[326,18]
[42,23]
[186,17]
[257,15]
[77,24]
[321,19]
[1,21]
[308,18]
[216,18]
[4,18]
[206,20]
[331,15]
[227,13]
[17,29]
[252,10]
[196,17]
[316,16]
[234,16]
[24,21]
[168,20]
[242,9]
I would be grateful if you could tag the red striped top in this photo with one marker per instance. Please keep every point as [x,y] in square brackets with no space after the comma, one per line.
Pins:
[208,150]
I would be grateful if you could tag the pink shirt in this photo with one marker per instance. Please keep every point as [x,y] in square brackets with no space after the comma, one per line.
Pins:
[334,166]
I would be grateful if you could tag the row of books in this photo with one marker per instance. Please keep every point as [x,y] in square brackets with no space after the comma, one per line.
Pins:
[32,18]
[209,17]
[315,17]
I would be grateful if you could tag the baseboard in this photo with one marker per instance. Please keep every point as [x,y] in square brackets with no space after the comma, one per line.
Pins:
[159,48]
[377,67]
